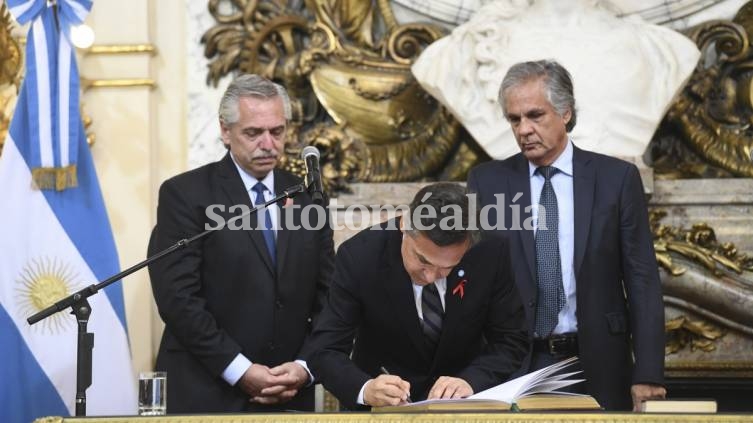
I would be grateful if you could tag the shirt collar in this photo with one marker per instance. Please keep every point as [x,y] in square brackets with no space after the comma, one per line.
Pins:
[564,162]
[440,283]
[249,181]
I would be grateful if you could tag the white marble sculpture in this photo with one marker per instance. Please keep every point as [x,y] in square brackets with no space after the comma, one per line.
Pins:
[675,14]
[626,71]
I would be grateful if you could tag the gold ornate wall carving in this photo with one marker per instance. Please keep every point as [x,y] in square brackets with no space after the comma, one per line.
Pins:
[682,332]
[708,295]
[347,67]
[10,51]
[707,131]
[10,69]
[698,244]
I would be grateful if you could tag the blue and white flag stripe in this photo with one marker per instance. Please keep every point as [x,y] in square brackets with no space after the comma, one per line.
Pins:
[52,72]
[55,241]
[37,75]
[36,247]
[66,98]
[27,376]
[24,11]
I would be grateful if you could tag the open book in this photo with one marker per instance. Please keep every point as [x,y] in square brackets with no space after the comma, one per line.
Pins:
[535,391]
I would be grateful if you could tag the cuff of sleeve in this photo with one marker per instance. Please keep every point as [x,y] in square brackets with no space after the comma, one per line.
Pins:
[235,370]
[360,399]
[306,367]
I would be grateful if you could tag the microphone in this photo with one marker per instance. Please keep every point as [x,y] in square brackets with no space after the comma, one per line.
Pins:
[310,155]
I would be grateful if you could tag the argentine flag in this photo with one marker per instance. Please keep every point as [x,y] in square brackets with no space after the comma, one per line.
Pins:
[55,237]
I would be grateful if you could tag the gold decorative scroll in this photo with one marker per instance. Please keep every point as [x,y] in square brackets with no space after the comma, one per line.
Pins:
[10,71]
[698,244]
[10,51]
[696,334]
[707,131]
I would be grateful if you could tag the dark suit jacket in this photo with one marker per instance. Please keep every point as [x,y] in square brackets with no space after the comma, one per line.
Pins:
[221,295]
[371,298]
[614,258]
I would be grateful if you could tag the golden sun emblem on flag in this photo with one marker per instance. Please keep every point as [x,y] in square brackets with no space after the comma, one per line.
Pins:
[41,283]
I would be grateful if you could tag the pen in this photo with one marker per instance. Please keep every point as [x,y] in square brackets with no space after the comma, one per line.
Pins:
[385,372]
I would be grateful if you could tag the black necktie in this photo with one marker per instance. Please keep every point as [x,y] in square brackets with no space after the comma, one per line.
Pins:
[551,295]
[265,220]
[431,308]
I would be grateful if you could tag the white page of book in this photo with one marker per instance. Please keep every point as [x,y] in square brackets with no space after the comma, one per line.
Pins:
[552,386]
[515,388]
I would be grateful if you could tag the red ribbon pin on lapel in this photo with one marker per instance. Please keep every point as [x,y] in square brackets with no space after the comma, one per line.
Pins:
[460,287]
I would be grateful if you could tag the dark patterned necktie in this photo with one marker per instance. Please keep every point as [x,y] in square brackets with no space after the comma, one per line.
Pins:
[551,295]
[265,220]
[431,308]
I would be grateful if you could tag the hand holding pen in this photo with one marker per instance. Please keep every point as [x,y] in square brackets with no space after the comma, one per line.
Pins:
[386,389]
[407,398]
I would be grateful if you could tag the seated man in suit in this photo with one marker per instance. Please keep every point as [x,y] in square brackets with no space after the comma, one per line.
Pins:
[427,304]
[238,304]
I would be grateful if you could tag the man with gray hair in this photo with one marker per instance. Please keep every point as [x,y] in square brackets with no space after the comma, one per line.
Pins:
[586,270]
[238,304]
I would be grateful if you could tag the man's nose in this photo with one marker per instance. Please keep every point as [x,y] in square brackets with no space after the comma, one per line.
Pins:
[266,140]
[443,273]
[525,127]
[432,275]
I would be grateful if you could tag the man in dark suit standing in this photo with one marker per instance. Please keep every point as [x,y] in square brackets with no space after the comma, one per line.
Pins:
[238,304]
[432,314]
[586,268]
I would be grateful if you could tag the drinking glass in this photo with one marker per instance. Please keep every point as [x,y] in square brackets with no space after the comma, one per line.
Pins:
[152,393]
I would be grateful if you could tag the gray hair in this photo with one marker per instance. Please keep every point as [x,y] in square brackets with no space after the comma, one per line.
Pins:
[249,85]
[557,80]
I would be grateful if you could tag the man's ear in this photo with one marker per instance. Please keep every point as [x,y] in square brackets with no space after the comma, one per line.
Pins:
[567,116]
[225,134]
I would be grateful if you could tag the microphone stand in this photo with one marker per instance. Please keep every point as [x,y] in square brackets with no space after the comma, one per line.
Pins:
[81,309]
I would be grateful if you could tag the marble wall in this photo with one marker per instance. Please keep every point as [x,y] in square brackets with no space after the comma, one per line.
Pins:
[202,100]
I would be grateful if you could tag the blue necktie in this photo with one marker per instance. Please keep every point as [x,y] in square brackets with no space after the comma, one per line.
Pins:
[551,294]
[265,220]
